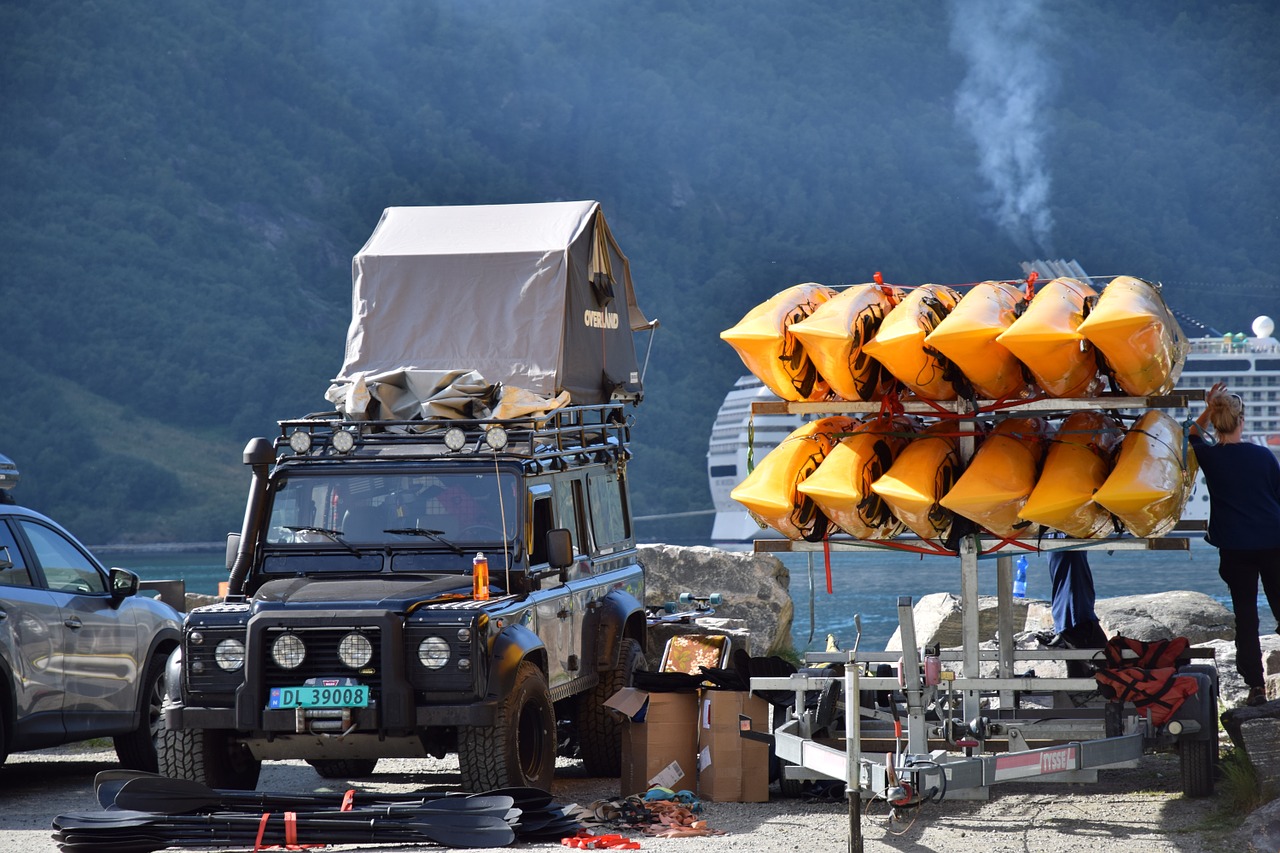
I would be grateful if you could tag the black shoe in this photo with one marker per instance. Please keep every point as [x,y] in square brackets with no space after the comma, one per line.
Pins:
[1257,696]
[1053,641]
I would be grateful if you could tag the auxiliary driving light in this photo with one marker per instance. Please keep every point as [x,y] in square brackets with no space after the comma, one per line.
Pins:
[433,652]
[229,655]
[288,651]
[300,441]
[454,438]
[355,650]
[495,437]
[343,441]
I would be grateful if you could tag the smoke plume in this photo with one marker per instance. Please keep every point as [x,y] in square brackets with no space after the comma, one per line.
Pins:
[1000,103]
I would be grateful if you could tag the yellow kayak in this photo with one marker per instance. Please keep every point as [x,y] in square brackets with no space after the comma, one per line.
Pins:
[769,492]
[764,342]
[1138,335]
[834,334]
[1047,340]
[900,347]
[1000,476]
[841,487]
[968,335]
[1152,478]
[924,471]
[1076,466]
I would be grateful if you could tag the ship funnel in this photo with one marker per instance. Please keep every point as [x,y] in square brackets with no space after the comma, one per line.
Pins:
[1263,327]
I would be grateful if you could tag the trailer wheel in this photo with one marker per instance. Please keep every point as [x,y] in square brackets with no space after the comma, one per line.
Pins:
[1196,758]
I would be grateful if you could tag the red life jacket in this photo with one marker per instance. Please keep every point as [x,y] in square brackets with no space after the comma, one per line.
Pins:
[1153,654]
[1159,692]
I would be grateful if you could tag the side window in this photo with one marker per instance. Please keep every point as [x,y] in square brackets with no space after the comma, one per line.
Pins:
[66,568]
[571,513]
[14,574]
[607,516]
[539,523]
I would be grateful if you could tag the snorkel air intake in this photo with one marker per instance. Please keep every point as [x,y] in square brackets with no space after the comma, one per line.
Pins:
[258,454]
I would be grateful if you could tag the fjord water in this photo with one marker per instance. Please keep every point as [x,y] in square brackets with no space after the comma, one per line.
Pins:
[867,583]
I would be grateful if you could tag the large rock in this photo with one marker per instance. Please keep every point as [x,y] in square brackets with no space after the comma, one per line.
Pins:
[938,619]
[1160,615]
[754,588]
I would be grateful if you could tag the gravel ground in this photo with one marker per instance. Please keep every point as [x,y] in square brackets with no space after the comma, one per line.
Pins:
[1138,809]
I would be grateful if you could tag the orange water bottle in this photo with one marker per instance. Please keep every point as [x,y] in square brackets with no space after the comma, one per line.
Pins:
[480,577]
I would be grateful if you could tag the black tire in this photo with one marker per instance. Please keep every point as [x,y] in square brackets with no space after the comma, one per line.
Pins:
[208,756]
[520,750]
[599,729]
[137,749]
[1196,758]
[343,768]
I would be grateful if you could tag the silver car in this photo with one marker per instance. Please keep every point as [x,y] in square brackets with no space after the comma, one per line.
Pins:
[81,654]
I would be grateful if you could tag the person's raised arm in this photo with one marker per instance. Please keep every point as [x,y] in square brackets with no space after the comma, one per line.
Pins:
[1202,420]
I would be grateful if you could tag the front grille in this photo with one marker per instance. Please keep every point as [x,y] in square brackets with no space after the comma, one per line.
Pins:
[321,659]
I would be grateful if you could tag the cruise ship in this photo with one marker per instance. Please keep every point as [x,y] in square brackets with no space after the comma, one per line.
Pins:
[1250,365]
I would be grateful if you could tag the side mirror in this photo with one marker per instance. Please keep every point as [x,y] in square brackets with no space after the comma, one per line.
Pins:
[124,583]
[233,548]
[560,548]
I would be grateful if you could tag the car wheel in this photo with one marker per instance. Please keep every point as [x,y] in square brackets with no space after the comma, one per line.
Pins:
[520,750]
[208,756]
[343,768]
[599,729]
[137,749]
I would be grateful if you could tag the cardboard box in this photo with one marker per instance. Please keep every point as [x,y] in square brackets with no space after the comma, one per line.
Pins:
[731,768]
[659,741]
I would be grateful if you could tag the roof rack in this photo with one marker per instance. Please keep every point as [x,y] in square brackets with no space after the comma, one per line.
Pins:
[564,435]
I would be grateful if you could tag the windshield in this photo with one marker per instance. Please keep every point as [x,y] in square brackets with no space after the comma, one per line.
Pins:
[447,510]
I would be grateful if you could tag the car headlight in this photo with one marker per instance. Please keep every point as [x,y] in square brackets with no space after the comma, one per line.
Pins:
[229,655]
[288,651]
[355,650]
[433,652]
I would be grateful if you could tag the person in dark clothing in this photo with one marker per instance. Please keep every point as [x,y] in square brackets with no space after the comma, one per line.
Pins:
[1071,601]
[1244,522]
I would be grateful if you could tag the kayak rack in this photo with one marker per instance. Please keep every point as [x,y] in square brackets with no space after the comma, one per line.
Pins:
[960,731]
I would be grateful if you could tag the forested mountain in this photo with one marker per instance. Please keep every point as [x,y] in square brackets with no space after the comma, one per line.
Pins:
[183,184]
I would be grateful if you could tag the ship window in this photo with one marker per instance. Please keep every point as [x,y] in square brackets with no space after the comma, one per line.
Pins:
[1267,364]
[1228,365]
[724,470]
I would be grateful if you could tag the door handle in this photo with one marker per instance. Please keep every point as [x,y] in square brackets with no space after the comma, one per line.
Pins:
[73,623]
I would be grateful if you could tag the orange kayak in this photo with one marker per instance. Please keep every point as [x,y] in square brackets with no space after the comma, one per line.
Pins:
[841,487]
[1047,340]
[900,346]
[924,471]
[834,334]
[770,491]
[1138,335]
[764,342]
[1000,476]
[1152,478]
[1076,466]
[968,335]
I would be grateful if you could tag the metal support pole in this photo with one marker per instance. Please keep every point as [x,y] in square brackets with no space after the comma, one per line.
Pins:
[853,741]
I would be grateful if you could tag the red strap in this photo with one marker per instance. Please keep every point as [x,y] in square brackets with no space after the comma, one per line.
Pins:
[291,830]
[1031,284]
[262,827]
[348,800]
[826,557]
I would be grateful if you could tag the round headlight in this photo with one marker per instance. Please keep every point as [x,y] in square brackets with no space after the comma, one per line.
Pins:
[343,441]
[454,438]
[464,635]
[355,650]
[300,441]
[288,651]
[496,437]
[229,655]
[433,652]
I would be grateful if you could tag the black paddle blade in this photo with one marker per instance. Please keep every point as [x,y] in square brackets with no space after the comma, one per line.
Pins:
[108,782]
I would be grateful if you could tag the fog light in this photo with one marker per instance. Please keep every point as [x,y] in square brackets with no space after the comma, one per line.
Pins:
[464,664]
[229,655]
[355,650]
[496,437]
[433,652]
[343,441]
[288,651]
[454,438]
[300,441]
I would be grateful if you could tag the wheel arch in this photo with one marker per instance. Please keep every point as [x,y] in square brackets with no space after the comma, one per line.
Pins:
[615,616]
[514,645]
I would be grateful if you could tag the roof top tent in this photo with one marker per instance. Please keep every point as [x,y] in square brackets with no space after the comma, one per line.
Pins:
[535,296]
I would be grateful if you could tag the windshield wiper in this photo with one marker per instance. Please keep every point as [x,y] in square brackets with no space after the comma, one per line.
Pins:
[433,535]
[335,535]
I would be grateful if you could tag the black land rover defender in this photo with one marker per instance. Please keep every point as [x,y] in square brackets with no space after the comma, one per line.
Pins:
[351,630]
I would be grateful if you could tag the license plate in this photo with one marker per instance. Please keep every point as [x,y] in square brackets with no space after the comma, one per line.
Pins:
[312,696]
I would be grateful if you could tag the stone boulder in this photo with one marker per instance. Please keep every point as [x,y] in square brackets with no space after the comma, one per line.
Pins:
[938,619]
[1160,615]
[754,588]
